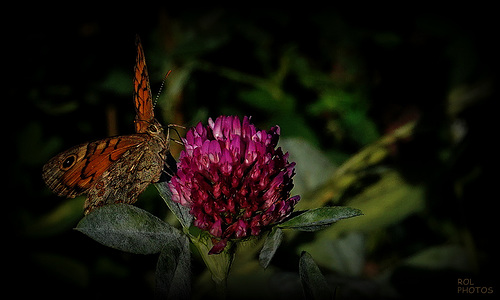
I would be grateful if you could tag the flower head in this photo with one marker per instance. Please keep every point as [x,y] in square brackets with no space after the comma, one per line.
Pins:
[233,179]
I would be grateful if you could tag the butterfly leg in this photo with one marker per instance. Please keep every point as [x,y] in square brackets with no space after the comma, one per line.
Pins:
[174,128]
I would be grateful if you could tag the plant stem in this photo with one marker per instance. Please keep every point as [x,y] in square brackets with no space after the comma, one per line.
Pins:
[218,264]
[221,288]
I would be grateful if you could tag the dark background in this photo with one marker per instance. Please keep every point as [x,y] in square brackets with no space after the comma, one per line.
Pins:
[336,79]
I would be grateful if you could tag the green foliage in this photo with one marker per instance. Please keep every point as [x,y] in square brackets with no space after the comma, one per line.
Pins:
[128,228]
[131,229]
[319,218]
[173,271]
[314,283]
[271,244]
[180,212]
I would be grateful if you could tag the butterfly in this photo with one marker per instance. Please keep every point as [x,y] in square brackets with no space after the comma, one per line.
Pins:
[116,169]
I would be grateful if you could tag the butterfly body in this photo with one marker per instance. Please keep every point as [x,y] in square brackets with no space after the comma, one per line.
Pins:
[115,169]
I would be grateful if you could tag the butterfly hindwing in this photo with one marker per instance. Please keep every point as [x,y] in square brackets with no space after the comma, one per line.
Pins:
[127,178]
[75,170]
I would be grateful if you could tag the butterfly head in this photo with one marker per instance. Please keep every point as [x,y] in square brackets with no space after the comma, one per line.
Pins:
[155,130]
[154,127]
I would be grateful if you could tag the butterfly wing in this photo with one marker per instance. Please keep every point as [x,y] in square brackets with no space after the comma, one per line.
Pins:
[116,169]
[128,177]
[75,170]
[142,92]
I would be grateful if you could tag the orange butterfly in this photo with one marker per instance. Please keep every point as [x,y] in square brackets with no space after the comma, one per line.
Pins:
[116,169]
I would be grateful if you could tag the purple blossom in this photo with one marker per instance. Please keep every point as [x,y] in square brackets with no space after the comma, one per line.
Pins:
[233,179]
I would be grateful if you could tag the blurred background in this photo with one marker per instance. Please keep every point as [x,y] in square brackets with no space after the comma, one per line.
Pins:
[389,111]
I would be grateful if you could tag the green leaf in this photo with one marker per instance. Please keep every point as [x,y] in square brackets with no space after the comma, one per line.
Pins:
[313,282]
[344,255]
[320,218]
[312,167]
[271,244]
[181,212]
[442,257]
[173,271]
[128,228]
[385,202]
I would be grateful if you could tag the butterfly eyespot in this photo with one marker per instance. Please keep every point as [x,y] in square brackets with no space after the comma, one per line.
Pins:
[68,162]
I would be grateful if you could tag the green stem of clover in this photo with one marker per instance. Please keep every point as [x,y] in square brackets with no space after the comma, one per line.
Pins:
[218,264]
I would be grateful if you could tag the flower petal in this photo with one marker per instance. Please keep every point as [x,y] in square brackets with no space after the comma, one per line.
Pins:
[216,229]
[218,246]
[234,179]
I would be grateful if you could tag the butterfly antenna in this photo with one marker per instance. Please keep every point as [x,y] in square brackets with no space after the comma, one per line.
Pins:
[161,88]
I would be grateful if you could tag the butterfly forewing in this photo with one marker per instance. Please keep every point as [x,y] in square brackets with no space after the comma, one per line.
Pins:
[142,92]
